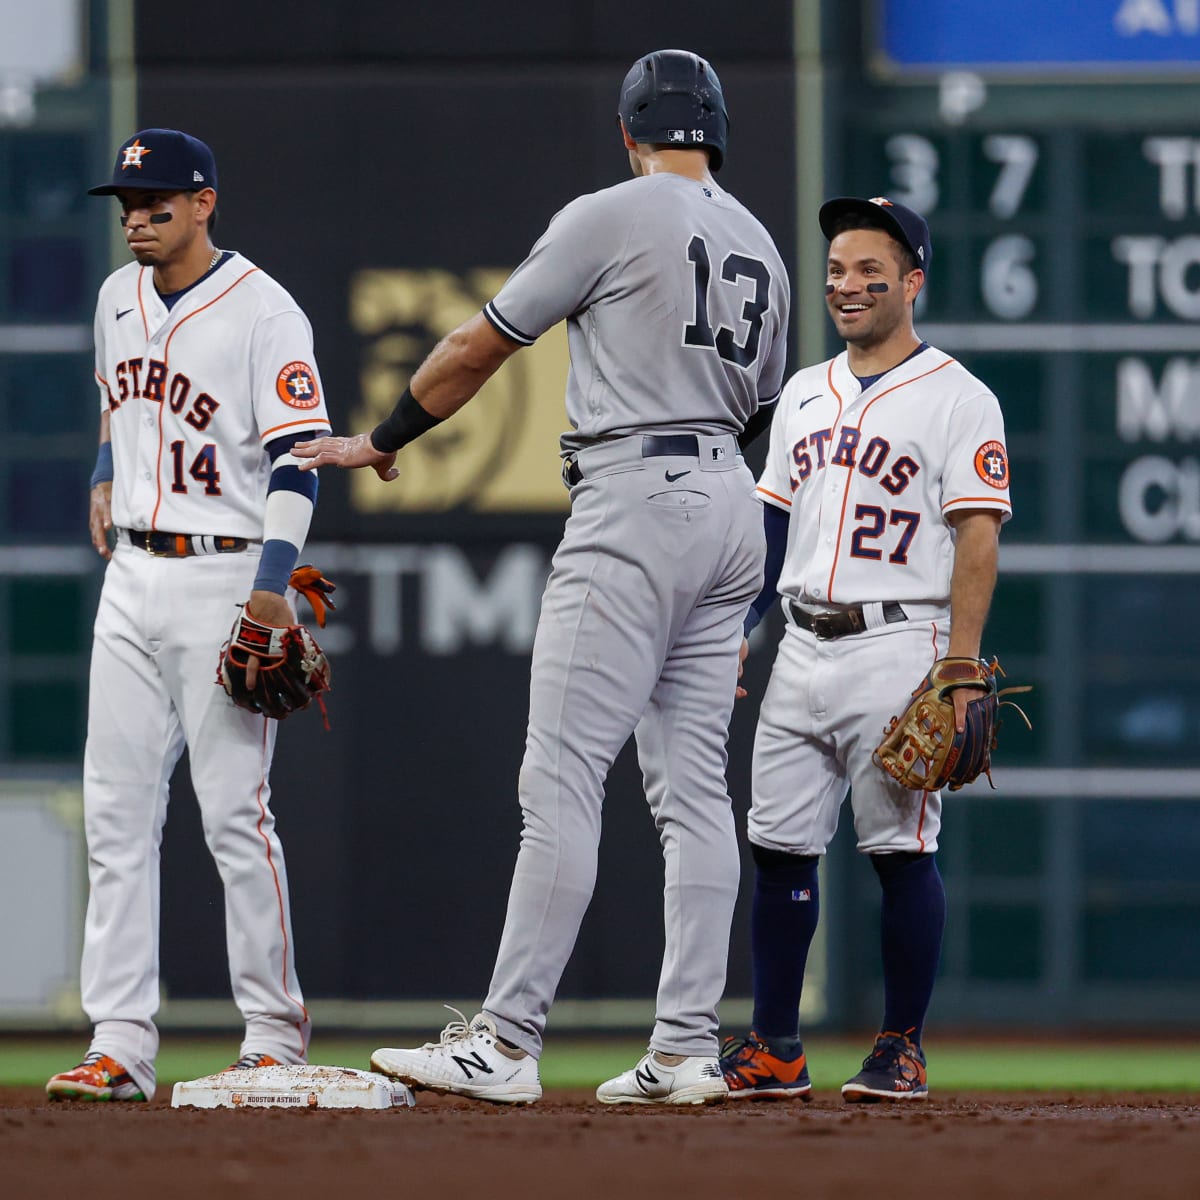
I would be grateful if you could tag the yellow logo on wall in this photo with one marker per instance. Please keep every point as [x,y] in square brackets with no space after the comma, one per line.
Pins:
[500,452]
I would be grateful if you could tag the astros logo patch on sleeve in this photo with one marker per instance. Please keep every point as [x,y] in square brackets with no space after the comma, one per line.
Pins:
[297,385]
[991,464]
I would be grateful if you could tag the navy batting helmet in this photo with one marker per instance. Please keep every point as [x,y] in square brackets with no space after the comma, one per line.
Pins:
[674,98]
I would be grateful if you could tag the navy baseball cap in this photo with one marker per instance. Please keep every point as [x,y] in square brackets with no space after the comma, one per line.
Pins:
[165,160]
[907,227]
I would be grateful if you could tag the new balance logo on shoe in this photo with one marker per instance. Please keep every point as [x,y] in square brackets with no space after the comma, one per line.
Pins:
[645,1078]
[475,1060]
[753,1072]
[694,1079]
[469,1059]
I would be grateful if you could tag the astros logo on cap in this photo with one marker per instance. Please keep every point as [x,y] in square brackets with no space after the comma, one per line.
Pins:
[296,385]
[991,464]
[133,154]
[882,201]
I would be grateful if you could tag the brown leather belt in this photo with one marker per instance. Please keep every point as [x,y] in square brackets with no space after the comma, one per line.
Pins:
[827,626]
[654,445]
[183,545]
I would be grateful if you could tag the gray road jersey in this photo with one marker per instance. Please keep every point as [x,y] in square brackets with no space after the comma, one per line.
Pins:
[676,302]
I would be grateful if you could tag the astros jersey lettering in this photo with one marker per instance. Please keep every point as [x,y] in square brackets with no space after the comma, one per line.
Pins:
[869,477]
[647,273]
[196,391]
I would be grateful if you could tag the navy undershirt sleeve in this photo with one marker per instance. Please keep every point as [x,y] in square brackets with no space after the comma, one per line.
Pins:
[291,478]
[775,526]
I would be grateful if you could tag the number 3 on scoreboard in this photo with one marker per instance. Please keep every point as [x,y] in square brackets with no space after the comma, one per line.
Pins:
[874,521]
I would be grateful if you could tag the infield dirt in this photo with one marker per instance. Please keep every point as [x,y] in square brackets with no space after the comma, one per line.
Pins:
[969,1145]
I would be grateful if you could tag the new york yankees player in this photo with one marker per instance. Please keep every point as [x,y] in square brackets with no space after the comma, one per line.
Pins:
[676,304]
[885,488]
[207,378]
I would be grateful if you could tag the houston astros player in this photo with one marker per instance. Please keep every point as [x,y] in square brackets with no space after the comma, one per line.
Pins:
[885,488]
[676,305]
[207,378]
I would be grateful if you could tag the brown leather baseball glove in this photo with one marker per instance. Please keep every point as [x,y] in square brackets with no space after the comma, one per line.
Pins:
[921,747]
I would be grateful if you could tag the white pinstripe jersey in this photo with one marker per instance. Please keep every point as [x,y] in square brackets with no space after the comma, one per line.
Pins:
[195,392]
[868,477]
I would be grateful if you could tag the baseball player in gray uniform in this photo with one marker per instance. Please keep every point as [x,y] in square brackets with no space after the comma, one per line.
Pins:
[676,303]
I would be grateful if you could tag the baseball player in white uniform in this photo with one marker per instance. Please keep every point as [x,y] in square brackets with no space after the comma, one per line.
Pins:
[884,491]
[207,378]
[676,305]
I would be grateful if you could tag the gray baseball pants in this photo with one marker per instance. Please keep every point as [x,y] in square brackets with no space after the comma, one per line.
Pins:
[640,627]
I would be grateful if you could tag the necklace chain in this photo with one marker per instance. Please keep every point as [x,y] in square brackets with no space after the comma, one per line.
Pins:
[216,258]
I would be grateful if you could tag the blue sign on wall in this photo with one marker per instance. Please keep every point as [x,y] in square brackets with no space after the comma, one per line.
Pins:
[1038,35]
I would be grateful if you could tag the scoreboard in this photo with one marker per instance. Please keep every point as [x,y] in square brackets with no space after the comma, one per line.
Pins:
[1067,275]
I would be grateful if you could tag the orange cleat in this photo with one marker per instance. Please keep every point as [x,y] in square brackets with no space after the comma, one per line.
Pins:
[249,1061]
[894,1070]
[754,1073]
[98,1077]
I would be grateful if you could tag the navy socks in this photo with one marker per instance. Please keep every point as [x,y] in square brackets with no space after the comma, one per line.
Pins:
[913,920]
[783,920]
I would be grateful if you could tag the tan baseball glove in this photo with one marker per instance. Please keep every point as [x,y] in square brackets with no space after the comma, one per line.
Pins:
[921,747]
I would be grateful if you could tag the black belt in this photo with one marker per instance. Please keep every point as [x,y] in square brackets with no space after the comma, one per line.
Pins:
[183,545]
[654,445]
[827,626]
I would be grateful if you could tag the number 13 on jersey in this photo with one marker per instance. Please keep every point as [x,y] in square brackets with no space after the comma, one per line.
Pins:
[734,268]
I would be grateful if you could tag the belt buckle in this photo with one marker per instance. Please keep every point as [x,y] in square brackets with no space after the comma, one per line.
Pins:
[822,626]
[149,544]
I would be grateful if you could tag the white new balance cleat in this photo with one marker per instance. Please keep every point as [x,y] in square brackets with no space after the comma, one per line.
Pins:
[692,1080]
[466,1061]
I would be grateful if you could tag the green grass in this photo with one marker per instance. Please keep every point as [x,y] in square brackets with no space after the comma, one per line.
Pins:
[954,1065]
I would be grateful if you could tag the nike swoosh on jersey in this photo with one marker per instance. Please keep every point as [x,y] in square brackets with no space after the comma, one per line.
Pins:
[808,401]
[678,475]
[123,312]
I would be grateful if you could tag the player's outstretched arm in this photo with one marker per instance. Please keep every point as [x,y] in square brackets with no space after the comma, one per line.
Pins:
[457,367]
[100,500]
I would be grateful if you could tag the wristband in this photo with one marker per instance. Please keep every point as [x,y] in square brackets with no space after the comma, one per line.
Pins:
[275,566]
[408,421]
[103,472]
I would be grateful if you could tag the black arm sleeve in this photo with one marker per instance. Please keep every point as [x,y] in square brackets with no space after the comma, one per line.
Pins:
[408,420]
[775,525]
